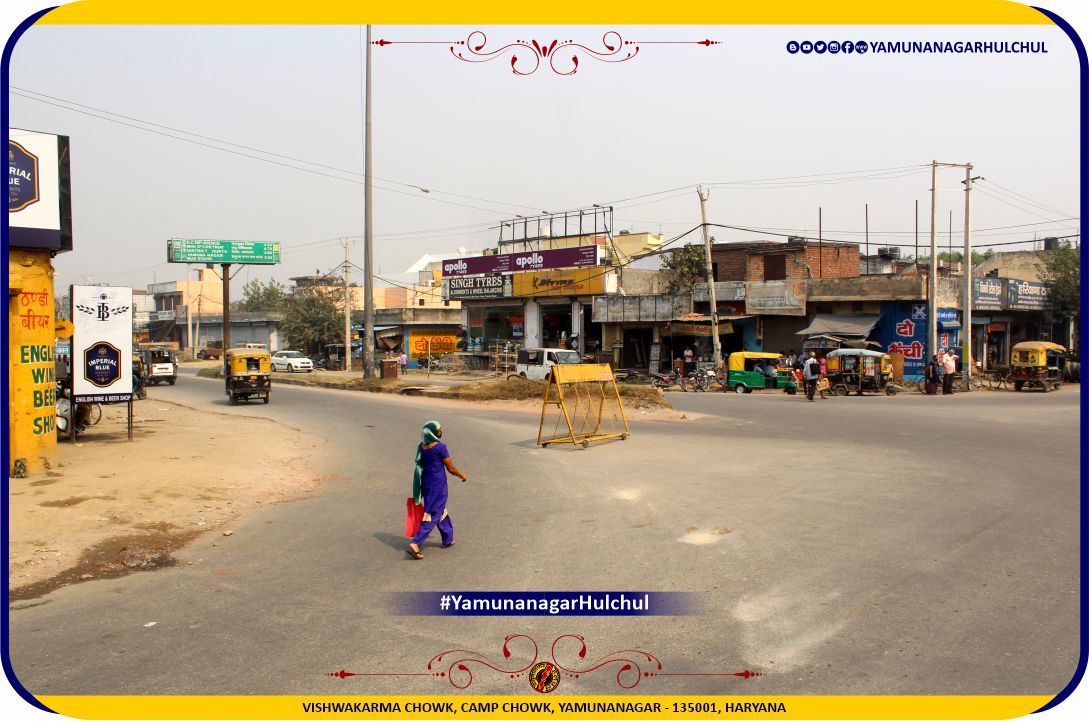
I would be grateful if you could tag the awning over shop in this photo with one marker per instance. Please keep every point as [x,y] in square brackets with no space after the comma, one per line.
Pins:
[845,325]
[948,325]
[700,325]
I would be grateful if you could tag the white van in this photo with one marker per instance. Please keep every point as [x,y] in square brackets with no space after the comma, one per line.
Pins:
[535,363]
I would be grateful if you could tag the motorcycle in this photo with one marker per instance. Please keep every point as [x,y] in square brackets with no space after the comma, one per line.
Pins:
[668,380]
[86,414]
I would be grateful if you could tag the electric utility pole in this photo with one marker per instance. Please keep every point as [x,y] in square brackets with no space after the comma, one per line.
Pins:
[347,308]
[716,344]
[368,232]
[932,292]
[969,282]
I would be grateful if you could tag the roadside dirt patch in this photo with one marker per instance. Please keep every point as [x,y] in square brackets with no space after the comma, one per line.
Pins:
[112,507]
[513,388]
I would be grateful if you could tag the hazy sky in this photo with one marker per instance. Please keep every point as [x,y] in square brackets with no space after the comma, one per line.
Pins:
[492,144]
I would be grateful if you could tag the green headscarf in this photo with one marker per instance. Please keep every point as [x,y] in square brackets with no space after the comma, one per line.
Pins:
[430,435]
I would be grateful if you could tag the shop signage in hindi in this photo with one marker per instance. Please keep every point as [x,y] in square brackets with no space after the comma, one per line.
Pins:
[1027,295]
[102,317]
[493,285]
[775,297]
[726,290]
[582,256]
[987,293]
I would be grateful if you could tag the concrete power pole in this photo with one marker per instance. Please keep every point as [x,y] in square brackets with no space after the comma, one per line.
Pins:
[716,343]
[969,283]
[368,230]
[347,308]
[189,316]
[932,279]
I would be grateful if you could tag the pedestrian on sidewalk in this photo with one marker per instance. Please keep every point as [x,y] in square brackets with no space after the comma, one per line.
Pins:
[429,487]
[689,360]
[949,365]
[812,372]
[932,376]
[403,361]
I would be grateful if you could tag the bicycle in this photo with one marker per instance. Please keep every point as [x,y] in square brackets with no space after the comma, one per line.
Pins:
[967,382]
[999,379]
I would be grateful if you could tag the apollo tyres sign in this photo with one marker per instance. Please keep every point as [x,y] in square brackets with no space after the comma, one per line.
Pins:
[582,256]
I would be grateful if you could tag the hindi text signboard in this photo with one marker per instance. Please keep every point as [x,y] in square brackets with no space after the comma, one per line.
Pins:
[199,250]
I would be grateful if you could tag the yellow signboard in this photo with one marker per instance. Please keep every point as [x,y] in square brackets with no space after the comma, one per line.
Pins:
[583,372]
[574,281]
[431,341]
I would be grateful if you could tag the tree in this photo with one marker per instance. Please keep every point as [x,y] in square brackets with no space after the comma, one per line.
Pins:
[313,318]
[1061,269]
[689,266]
[261,297]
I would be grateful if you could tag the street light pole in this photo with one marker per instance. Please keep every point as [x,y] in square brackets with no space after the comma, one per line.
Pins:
[368,233]
[932,279]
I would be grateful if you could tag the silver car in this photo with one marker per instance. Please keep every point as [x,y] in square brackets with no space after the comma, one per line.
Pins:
[291,361]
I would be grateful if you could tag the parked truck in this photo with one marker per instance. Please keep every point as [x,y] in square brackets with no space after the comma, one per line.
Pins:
[212,351]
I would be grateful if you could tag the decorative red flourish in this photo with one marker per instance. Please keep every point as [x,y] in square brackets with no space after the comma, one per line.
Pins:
[463,657]
[562,56]
[460,676]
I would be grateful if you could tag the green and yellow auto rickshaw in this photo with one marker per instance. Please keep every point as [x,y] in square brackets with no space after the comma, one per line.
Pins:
[748,371]
[1037,364]
[247,374]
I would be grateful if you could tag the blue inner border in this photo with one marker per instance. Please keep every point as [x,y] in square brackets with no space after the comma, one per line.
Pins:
[1083,106]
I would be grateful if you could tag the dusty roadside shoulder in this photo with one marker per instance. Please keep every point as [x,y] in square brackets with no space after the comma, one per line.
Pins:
[112,507]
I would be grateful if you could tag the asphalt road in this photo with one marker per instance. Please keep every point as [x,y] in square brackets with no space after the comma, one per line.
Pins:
[907,545]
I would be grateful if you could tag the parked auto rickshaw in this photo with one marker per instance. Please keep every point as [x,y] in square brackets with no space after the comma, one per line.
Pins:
[853,369]
[1038,364]
[743,374]
[139,376]
[247,373]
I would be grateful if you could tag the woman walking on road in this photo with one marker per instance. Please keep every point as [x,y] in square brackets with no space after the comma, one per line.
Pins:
[429,487]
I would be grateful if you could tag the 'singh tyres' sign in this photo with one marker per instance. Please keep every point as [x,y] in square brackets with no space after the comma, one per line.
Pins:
[102,343]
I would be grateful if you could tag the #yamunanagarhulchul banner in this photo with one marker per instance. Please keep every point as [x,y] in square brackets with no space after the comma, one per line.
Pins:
[576,281]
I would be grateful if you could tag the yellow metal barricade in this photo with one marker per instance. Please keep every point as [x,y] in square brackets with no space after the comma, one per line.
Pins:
[585,405]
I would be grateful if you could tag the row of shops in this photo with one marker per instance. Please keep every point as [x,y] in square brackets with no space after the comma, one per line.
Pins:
[890,314]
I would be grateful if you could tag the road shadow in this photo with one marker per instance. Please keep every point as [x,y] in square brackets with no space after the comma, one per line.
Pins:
[400,543]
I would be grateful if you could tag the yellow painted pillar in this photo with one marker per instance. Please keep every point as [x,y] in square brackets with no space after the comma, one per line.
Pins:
[32,421]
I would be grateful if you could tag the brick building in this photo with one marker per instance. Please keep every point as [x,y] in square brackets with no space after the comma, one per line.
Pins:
[793,260]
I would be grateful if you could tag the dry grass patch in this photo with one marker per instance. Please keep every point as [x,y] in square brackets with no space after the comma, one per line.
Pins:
[520,389]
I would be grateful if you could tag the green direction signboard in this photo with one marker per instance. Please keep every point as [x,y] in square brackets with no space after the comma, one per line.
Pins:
[199,250]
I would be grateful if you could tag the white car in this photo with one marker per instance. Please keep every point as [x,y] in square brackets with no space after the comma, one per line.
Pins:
[291,361]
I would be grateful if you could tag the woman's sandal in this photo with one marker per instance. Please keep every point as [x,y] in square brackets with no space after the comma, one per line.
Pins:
[415,553]
[447,545]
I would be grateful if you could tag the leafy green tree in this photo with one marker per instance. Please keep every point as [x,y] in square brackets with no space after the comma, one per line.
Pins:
[313,318]
[689,266]
[1061,269]
[261,297]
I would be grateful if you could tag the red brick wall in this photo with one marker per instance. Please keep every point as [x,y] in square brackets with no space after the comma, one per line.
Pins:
[840,261]
[730,263]
[744,264]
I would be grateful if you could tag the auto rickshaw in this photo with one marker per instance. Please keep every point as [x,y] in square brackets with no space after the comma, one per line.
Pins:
[1037,363]
[743,375]
[855,369]
[247,373]
[139,376]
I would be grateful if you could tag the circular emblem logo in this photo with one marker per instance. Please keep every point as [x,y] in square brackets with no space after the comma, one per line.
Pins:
[544,677]
[819,47]
[792,47]
[833,46]
[807,47]
[861,48]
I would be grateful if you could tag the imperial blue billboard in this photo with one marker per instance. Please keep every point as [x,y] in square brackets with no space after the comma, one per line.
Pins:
[39,191]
